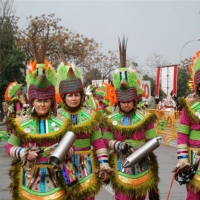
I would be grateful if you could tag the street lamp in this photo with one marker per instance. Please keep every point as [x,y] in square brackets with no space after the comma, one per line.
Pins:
[197,39]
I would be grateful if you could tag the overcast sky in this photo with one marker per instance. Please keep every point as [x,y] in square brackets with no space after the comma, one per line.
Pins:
[160,27]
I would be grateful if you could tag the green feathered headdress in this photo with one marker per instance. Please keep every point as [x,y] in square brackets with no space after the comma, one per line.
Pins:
[12,88]
[68,79]
[125,80]
[34,69]
[196,66]
[194,70]
[62,72]
[41,80]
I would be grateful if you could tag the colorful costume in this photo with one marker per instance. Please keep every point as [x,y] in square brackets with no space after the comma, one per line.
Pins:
[90,159]
[12,106]
[188,140]
[130,130]
[96,98]
[36,179]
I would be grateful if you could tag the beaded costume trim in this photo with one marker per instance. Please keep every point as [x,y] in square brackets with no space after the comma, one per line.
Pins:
[191,107]
[54,135]
[139,123]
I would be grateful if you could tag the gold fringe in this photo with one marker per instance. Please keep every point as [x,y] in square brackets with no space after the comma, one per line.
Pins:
[185,103]
[128,130]
[90,125]
[141,189]
[54,136]
[194,184]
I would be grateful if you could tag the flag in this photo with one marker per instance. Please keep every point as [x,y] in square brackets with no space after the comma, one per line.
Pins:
[158,82]
[174,93]
[169,79]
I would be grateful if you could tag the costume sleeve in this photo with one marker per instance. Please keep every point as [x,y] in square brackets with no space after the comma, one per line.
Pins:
[13,147]
[182,137]
[109,140]
[107,136]
[98,144]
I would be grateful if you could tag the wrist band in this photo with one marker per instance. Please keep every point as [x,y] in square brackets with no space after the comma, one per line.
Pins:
[180,157]
[118,145]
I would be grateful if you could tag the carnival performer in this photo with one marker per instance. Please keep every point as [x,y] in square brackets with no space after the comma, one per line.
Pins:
[32,177]
[90,100]
[188,138]
[98,98]
[12,106]
[13,100]
[91,158]
[127,130]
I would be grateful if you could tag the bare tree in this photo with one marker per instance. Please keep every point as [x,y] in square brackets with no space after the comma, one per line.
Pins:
[6,9]
[44,36]
[152,62]
[107,63]
[38,40]
[45,39]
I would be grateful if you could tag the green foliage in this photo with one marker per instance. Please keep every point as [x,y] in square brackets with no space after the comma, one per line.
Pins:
[182,85]
[11,58]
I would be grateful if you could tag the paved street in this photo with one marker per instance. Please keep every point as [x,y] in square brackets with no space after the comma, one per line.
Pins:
[166,158]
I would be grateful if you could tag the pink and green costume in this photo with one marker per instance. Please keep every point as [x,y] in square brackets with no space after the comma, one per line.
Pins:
[37,179]
[41,181]
[131,126]
[188,138]
[90,158]
[90,152]
[134,130]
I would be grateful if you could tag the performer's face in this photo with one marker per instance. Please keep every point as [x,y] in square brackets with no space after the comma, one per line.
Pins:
[127,106]
[73,100]
[42,107]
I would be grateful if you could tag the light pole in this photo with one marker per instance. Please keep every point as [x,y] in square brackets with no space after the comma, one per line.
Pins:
[197,39]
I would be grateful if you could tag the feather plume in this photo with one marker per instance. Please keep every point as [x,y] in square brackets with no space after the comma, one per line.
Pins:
[193,69]
[31,72]
[62,72]
[50,74]
[30,79]
[122,51]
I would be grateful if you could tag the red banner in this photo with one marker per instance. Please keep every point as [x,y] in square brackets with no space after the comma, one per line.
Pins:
[174,92]
[158,82]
